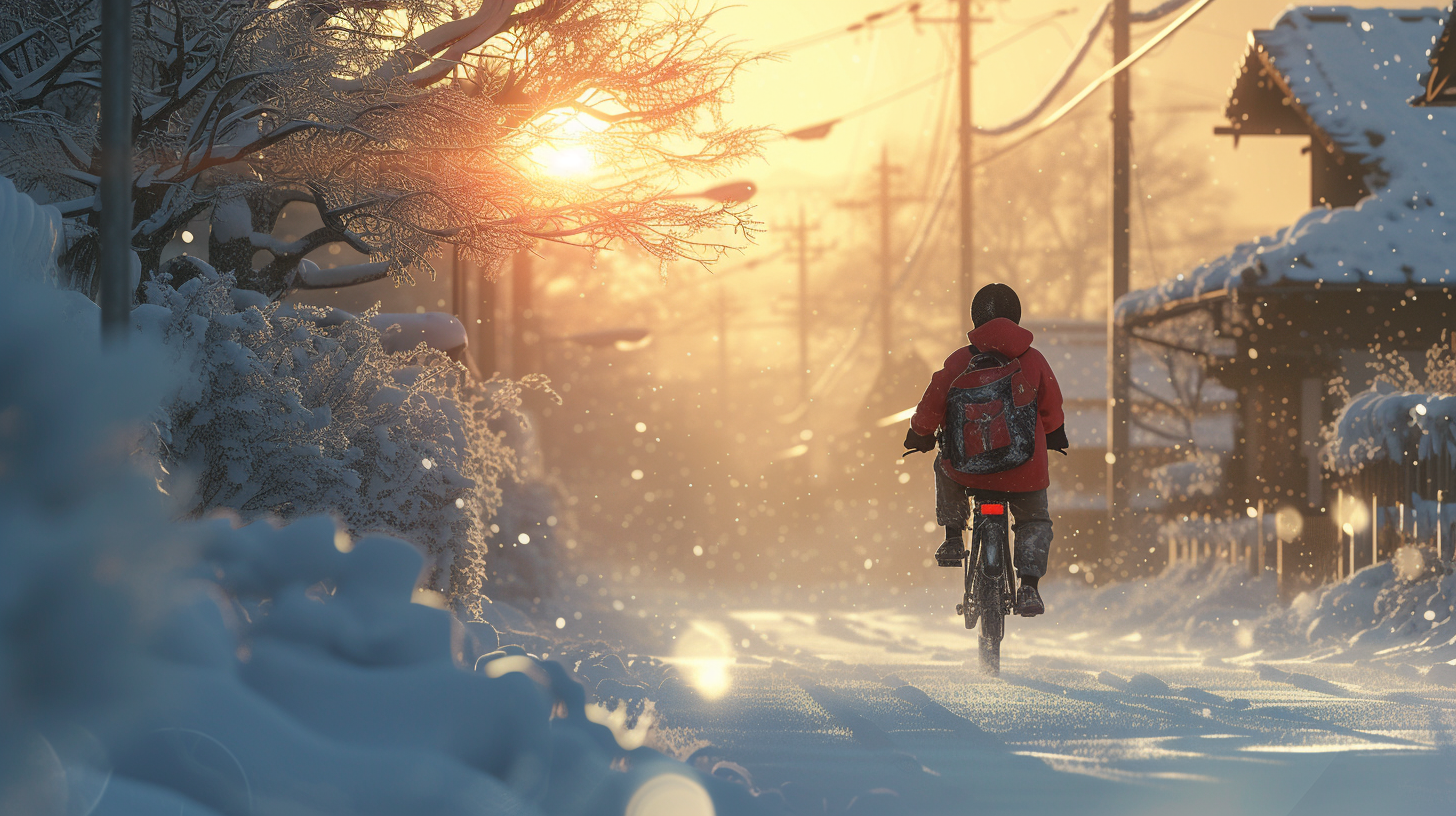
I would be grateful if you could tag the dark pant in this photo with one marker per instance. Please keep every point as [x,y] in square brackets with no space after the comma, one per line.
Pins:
[1033,525]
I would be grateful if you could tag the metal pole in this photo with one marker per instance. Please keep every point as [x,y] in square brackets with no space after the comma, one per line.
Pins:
[967,133]
[803,307]
[1118,407]
[114,256]
[886,330]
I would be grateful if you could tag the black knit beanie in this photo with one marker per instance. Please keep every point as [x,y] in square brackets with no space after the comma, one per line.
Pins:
[993,301]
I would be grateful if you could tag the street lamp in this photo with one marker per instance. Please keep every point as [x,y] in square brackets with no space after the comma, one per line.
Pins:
[623,339]
[734,192]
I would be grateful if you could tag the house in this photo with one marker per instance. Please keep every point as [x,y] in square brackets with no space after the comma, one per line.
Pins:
[1368,269]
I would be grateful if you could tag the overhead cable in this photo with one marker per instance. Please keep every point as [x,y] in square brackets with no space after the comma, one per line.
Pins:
[1086,92]
[1075,61]
[853,28]
[1063,77]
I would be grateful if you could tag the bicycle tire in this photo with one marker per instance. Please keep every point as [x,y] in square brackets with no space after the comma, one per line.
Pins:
[993,623]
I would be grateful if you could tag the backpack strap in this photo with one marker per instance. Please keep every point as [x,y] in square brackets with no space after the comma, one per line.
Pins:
[978,357]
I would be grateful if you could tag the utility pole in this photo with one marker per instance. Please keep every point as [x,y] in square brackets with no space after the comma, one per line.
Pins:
[114,261]
[885,202]
[887,334]
[486,349]
[1119,409]
[523,337]
[964,22]
[967,177]
[803,233]
[723,340]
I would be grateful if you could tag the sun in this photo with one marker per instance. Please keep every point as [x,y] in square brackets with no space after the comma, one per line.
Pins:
[567,161]
[565,151]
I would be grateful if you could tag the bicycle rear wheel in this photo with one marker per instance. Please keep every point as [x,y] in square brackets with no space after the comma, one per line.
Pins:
[993,622]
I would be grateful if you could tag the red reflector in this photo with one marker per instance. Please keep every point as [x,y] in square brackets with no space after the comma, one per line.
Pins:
[993,509]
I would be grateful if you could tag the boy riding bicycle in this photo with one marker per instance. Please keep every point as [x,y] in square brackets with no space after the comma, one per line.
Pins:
[998,410]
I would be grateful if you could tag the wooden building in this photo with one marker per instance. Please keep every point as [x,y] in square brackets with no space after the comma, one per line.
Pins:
[1369,269]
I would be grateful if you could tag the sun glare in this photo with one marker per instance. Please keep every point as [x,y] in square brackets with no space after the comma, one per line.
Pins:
[574,160]
[565,153]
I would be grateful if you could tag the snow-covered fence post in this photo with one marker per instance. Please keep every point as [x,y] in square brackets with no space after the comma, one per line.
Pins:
[1259,527]
[1441,529]
[1374,530]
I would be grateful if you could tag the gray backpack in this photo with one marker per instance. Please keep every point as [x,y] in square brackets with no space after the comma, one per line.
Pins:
[990,417]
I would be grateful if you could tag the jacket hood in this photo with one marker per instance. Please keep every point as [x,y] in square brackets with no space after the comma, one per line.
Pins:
[1001,335]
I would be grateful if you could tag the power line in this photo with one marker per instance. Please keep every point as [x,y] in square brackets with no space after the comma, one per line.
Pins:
[1086,92]
[822,129]
[864,23]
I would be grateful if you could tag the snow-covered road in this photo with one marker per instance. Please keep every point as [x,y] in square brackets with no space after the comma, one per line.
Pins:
[886,712]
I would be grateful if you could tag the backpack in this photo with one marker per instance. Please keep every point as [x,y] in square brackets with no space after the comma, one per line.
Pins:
[990,416]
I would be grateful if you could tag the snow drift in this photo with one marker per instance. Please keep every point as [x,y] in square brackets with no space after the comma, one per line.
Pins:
[148,666]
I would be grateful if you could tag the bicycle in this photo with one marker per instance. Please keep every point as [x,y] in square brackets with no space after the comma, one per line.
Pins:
[990,586]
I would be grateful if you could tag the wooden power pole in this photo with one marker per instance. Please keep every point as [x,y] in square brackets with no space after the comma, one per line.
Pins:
[887,333]
[1119,409]
[803,235]
[967,177]
[114,256]
[523,337]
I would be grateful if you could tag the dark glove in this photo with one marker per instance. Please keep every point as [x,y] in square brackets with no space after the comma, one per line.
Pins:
[1057,440]
[919,443]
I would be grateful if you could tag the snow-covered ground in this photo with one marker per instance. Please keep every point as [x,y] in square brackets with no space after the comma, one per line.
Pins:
[1185,694]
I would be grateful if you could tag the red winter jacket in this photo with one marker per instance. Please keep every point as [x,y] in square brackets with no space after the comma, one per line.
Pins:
[1000,335]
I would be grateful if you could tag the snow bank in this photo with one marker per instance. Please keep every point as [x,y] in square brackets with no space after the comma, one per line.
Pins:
[1352,71]
[1191,604]
[30,233]
[148,666]
[1400,611]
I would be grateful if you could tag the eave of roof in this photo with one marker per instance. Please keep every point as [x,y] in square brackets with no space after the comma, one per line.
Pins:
[1321,58]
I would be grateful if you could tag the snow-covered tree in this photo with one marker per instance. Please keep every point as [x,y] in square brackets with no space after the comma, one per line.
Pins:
[283,412]
[407,124]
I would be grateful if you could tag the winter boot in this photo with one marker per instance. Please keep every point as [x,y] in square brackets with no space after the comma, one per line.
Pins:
[952,551]
[1028,601]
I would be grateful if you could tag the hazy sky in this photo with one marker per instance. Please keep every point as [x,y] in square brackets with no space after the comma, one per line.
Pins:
[1187,77]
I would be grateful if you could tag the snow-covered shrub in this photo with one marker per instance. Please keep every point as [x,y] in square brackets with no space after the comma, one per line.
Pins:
[1198,476]
[1403,415]
[1387,424]
[285,415]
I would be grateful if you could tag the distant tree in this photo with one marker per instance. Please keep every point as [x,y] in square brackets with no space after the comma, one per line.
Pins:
[407,124]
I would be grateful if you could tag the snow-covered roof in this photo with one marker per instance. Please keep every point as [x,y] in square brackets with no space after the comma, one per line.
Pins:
[1349,75]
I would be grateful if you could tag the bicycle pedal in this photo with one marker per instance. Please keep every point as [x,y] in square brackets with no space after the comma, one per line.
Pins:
[945,562]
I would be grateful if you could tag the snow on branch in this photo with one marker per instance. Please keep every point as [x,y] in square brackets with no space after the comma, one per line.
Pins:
[458,36]
[310,276]
[405,128]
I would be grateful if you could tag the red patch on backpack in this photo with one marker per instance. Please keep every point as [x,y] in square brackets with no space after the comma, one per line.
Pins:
[985,428]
